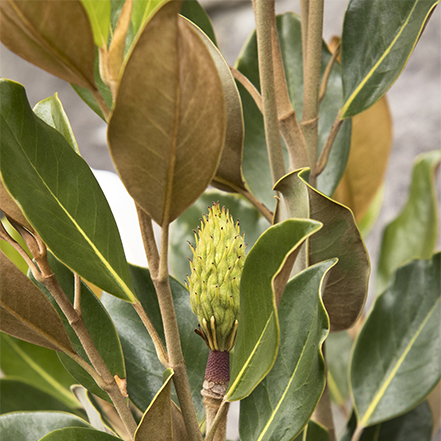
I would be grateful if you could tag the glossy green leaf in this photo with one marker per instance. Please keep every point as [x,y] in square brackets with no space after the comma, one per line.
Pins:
[37,366]
[32,426]
[67,208]
[395,363]
[258,333]
[11,253]
[192,10]
[283,402]
[26,313]
[176,126]
[338,353]
[99,16]
[415,425]
[346,289]
[413,233]
[51,111]
[55,36]
[100,327]
[313,432]
[255,159]
[18,396]
[378,38]
[156,422]
[144,371]
[251,222]
[78,434]
[229,171]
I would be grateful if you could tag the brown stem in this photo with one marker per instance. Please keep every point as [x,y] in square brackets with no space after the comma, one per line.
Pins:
[158,264]
[311,78]
[304,10]
[108,383]
[358,432]
[324,155]
[102,104]
[327,73]
[217,431]
[77,294]
[249,86]
[263,10]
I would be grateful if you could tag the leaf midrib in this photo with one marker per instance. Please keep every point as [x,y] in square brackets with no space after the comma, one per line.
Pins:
[382,390]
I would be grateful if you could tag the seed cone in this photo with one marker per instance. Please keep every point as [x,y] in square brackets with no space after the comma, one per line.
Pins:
[216,268]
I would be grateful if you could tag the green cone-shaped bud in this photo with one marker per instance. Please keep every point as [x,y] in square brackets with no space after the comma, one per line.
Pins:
[216,268]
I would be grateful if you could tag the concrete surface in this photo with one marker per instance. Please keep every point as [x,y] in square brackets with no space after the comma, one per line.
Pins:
[414,101]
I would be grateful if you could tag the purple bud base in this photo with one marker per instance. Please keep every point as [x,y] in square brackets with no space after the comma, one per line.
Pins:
[218,367]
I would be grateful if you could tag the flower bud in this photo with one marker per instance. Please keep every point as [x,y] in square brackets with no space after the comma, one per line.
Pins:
[216,268]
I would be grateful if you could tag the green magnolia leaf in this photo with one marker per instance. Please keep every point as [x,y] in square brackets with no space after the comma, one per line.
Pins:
[313,432]
[395,363]
[18,396]
[297,379]
[413,233]
[156,422]
[99,16]
[346,289]
[192,10]
[32,426]
[26,313]
[229,171]
[255,159]
[258,333]
[78,434]
[338,352]
[176,126]
[11,253]
[55,36]
[415,425]
[251,222]
[37,366]
[94,417]
[98,323]
[67,208]
[51,111]
[378,38]
[144,371]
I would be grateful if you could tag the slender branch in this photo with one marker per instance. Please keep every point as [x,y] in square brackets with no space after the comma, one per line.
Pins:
[262,208]
[327,73]
[288,125]
[108,385]
[77,294]
[249,86]
[263,10]
[324,155]
[221,414]
[158,265]
[357,434]
[304,10]
[311,77]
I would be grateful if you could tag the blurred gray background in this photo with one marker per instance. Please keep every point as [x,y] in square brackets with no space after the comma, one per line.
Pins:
[414,100]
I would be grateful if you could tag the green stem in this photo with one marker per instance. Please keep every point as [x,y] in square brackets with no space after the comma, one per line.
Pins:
[263,10]
[311,77]
[219,420]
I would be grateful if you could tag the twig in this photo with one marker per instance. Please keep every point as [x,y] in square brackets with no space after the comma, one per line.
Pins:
[324,155]
[288,125]
[77,294]
[311,76]
[107,382]
[158,265]
[102,104]
[304,10]
[263,10]
[249,86]
[358,432]
[327,73]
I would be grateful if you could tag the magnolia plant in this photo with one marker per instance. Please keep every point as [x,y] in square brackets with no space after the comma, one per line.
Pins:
[95,348]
